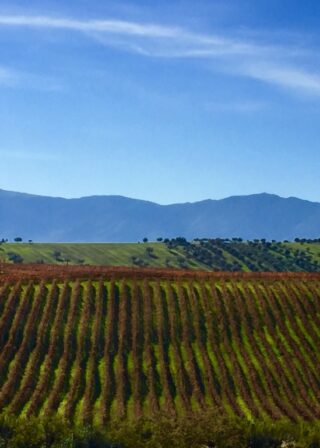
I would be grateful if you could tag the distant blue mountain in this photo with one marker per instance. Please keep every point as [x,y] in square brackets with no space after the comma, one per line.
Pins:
[121,219]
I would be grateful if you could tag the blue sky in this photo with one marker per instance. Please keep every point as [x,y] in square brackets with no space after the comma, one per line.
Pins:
[169,101]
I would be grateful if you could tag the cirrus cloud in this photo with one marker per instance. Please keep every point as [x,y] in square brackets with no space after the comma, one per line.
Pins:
[269,63]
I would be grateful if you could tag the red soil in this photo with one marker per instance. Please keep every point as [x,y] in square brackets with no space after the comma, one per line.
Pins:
[38,272]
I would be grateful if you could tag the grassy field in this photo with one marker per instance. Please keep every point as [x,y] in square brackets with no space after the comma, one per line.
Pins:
[203,254]
[108,254]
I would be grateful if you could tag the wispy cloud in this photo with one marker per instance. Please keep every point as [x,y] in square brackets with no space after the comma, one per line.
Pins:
[191,44]
[111,26]
[283,76]
[270,63]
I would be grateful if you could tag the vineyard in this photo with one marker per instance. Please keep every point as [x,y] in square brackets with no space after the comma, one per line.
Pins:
[118,345]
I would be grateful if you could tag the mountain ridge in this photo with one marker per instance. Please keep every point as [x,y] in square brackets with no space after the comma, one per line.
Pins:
[117,218]
[263,193]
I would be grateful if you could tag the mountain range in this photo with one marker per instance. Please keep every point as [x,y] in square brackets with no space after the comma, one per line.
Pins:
[121,219]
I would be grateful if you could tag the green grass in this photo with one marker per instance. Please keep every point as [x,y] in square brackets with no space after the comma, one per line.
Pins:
[112,254]
[205,255]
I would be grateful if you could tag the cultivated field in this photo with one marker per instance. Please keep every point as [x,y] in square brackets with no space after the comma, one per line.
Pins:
[101,345]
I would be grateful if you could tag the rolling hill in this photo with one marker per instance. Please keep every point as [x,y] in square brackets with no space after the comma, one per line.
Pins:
[230,255]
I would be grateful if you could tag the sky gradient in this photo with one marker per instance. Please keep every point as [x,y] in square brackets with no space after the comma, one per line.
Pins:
[170,102]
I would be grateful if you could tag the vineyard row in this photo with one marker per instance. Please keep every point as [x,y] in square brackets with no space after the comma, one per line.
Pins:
[99,350]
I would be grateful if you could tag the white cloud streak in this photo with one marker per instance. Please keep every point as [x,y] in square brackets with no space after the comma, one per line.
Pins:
[271,64]
[287,77]
[111,26]
[201,45]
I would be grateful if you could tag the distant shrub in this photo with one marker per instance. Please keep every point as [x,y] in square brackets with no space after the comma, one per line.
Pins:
[15,258]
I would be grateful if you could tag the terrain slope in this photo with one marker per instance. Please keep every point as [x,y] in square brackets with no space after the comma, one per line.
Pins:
[178,253]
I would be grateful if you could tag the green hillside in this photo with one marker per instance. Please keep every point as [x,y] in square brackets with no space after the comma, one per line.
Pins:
[215,254]
[109,254]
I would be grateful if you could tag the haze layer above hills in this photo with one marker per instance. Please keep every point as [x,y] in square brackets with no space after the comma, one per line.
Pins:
[121,219]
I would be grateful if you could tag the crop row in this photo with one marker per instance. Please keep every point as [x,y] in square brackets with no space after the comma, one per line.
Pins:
[99,350]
